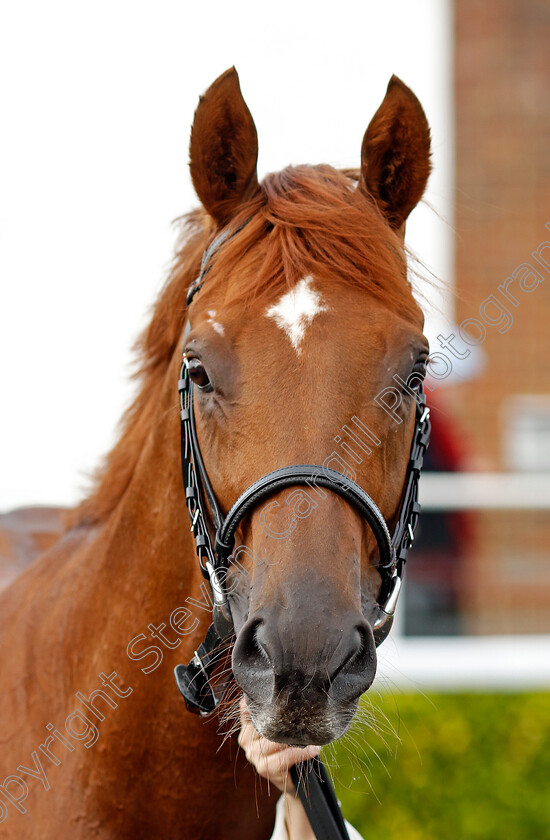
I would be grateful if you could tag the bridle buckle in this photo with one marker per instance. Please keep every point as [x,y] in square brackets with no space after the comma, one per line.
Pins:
[386,614]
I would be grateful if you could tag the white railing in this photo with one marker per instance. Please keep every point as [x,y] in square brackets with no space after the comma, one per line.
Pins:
[461,663]
[485,491]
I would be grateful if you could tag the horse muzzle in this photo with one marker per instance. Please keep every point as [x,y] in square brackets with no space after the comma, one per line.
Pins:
[303,675]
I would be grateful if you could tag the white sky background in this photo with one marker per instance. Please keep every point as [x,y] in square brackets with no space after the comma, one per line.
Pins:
[96,106]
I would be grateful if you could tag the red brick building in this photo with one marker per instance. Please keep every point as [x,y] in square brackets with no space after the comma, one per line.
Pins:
[502,89]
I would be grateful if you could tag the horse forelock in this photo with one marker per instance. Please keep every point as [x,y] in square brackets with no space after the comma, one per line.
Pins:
[314,220]
[311,220]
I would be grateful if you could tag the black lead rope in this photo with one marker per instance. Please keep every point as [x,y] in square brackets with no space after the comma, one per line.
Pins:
[317,796]
[215,542]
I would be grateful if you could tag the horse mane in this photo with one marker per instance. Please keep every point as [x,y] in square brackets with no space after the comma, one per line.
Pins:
[315,220]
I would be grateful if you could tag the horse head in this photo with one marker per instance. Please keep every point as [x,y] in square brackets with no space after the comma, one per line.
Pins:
[304,345]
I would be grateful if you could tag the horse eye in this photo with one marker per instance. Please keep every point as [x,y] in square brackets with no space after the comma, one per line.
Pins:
[418,373]
[198,374]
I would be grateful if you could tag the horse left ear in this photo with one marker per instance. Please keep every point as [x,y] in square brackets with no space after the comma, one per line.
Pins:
[223,149]
[395,155]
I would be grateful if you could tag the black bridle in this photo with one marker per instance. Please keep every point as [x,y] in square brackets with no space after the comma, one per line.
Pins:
[215,535]
[215,538]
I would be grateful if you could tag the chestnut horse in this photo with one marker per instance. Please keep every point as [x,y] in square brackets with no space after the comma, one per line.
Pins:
[304,315]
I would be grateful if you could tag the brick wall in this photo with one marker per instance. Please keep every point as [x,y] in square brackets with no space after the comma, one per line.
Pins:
[502,78]
[502,85]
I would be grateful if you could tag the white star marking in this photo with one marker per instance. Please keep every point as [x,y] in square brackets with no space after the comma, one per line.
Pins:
[296,310]
[214,324]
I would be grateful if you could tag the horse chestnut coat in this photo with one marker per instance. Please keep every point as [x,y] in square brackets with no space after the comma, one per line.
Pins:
[305,316]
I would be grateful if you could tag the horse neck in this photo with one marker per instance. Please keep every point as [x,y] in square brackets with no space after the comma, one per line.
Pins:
[143,560]
[133,572]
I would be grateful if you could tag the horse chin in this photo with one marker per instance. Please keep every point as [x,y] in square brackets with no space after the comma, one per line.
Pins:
[301,725]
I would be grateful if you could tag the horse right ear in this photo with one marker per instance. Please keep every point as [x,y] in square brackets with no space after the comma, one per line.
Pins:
[223,149]
[395,156]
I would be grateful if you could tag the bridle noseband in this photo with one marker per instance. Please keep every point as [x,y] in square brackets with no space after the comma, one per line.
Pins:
[214,552]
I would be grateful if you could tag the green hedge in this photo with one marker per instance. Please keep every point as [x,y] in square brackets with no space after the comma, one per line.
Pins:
[447,767]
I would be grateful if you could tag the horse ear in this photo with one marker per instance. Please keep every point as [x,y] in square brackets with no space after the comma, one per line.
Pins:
[395,155]
[223,149]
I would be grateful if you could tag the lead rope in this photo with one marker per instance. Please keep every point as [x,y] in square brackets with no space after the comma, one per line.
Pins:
[318,799]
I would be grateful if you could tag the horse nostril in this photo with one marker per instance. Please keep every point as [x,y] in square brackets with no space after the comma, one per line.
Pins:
[353,665]
[355,648]
[247,647]
[261,644]
[340,663]
[250,661]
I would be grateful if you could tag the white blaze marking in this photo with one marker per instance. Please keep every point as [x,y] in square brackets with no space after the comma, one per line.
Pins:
[296,310]
[214,324]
